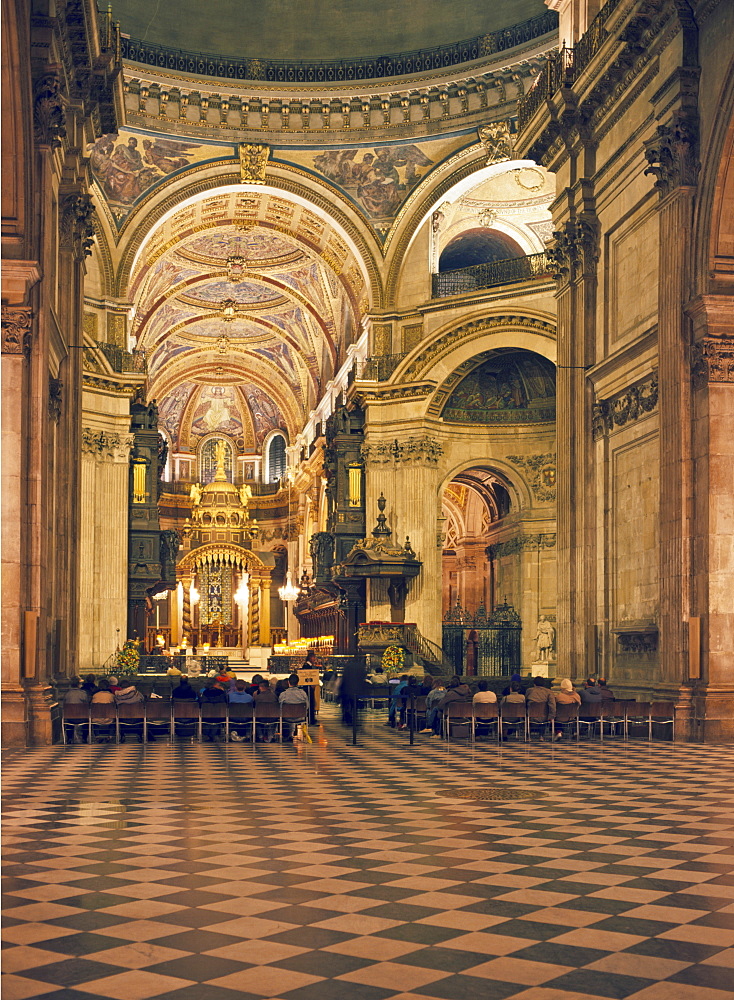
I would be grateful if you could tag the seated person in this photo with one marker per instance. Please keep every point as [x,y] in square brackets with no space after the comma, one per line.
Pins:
[456,691]
[239,729]
[265,699]
[515,697]
[590,693]
[396,700]
[103,731]
[212,694]
[293,695]
[410,692]
[75,696]
[433,716]
[90,684]
[515,679]
[173,671]
[606,692]
[539,694]
[128,694]
[484,696]
[567,695]
[183,690]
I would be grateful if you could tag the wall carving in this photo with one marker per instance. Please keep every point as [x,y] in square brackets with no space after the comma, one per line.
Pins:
[541,473]
[76,232]
[712,360]
[419,450]
[253,162]
[475,329]
[105,446]
[672,155]
[16,327]
[521,543]
[49,120]
[55,388]
[497,140]
[632,404]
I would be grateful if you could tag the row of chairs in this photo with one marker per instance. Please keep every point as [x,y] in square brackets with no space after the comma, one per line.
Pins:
[623,719]
[185,719]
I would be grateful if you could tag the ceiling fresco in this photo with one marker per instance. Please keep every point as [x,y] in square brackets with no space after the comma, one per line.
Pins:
[242,322]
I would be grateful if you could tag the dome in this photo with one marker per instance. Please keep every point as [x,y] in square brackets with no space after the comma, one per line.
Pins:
[311,30]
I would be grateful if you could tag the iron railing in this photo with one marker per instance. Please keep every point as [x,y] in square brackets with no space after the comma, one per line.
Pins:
[563,67]
[499,272]
[124,362]
[379,368]
[495,639]
[336,70]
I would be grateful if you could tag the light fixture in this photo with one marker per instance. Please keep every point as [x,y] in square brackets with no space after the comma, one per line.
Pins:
[288,592]
[193,594]
[242,594]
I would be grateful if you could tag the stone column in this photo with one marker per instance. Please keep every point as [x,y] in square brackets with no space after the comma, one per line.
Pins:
[265,613]
[104,523]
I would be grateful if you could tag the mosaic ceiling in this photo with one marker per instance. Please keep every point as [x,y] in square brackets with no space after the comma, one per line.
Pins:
[245,305]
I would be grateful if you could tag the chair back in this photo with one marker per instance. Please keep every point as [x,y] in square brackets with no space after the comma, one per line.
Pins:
[186,710]
[662,710]
[590,710]
[267,710]
[294,713]
[459,710]
[135,711]
[213,710]
[78,711]
[513,710]
[637,710]
[103,712]
[538,711]
[239,711]
[485,710]
[158,710]
[566,713]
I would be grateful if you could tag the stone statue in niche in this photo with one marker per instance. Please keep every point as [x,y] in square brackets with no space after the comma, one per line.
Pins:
[544,640]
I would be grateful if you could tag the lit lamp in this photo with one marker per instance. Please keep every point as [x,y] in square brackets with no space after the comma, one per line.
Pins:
[289,591]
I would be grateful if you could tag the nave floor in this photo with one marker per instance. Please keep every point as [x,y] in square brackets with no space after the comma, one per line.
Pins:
[332,872]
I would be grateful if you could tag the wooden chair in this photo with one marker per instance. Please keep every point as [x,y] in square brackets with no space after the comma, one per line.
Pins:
[513,719]
[612,717]
[103,718]
[131,719]
[267,721]
[293,716]
[662,713]
[589,719]
[538,718]
[416,709]
[186,719]
[158,719]
[240,721]
[567,719]
[486,715]
[637,713]
[458,719]
[213,718]
[73,717]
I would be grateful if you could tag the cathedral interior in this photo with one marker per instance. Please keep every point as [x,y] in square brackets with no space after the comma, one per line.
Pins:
[356,328]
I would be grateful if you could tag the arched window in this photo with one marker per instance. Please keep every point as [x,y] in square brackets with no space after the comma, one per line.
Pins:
[276,462]
[478,246]
[208,460]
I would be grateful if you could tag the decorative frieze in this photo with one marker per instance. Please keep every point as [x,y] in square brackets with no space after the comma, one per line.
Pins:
[521,543]
[76,232]
[418,450]
[16,326]
[637,638]
[49,120]
[541,472]
[712,361]
[106,446]
[672,154]
[630,405]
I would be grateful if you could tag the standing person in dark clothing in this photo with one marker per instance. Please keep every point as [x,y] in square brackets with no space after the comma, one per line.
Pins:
[352,687]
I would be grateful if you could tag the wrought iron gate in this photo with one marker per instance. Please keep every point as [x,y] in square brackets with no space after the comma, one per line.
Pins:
[497,638]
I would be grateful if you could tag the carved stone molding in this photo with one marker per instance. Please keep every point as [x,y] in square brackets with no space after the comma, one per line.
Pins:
[637,638]
[574,250]
[497,140]
[624,408]
[105,446]
[419,450]
[672,154]
[521,543]
[475,329]
[49,120]
[712,361]
[55,387]
[541,472]
[16,325]
[76,232]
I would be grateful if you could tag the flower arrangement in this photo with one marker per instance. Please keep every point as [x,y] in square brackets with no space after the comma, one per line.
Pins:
[128,658]
[392,660]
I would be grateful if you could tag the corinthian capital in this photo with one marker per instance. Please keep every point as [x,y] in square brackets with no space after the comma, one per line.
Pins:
[16,324]
[105,446]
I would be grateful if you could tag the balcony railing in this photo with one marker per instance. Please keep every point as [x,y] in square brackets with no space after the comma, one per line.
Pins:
[500,272]
[378,369]
[124,362]
[183,488]
[562,68]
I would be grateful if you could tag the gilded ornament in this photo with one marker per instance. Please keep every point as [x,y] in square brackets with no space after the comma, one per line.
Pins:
[253,161]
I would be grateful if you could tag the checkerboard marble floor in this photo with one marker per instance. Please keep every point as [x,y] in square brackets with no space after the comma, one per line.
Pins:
[332,872]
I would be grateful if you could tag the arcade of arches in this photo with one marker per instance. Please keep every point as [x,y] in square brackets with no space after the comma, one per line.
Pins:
[239,310]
